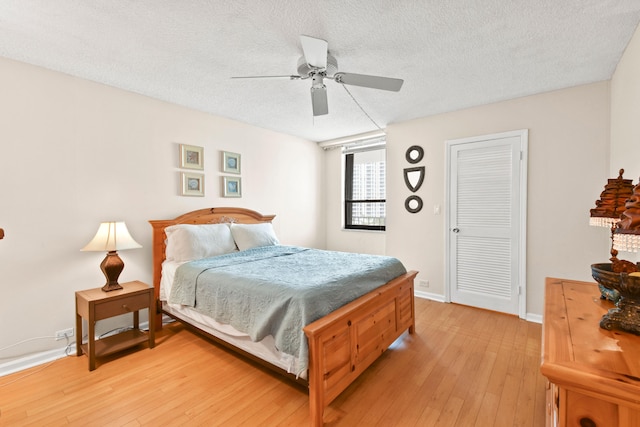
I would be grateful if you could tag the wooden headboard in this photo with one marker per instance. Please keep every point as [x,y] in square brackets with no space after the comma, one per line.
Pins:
[201,216]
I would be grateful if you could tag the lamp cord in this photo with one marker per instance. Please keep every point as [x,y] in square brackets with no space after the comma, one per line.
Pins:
[67,352]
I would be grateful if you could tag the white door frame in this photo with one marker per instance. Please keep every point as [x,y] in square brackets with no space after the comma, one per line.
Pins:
[522,250]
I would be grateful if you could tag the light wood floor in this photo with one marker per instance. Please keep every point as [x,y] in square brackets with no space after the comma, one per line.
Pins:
[463,367]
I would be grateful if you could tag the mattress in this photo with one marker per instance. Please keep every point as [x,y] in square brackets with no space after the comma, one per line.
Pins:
[264,349]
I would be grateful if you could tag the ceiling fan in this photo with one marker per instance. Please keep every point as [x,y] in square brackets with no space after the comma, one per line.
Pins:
[318,64]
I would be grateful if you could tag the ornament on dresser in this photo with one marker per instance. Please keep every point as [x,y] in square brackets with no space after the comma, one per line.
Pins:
[621,275]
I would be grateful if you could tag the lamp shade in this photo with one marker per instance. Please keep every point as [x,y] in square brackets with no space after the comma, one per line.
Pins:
[111,236]
[612,202]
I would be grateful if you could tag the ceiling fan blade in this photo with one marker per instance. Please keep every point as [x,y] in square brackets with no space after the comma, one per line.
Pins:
[267,77]
[315,51]
[374,82]
[319,101]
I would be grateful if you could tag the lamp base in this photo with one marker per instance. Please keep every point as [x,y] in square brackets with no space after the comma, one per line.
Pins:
[111,267]
[625,316]
[111,287]
[607,279]
[608,294]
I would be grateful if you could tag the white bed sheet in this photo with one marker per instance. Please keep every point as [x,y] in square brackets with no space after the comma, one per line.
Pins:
[265,349]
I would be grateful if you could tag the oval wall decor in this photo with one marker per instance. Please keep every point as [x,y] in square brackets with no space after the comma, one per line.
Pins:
[414,154]
[413,204]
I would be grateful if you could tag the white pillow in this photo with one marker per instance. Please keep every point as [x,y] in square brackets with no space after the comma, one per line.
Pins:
[188,242]
[249,236]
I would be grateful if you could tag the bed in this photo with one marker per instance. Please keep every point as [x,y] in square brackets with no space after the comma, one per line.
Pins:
[335,349]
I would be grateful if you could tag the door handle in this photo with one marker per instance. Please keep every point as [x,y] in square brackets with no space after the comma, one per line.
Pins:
[456,230]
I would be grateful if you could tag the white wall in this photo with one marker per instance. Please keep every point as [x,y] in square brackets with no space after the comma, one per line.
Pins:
[625,110]
[568,161]
[74,153]
[568,164]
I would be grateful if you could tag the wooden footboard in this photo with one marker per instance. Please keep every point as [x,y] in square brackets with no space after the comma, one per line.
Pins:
[344,343]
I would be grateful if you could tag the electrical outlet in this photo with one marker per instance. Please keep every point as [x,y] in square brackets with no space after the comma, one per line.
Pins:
[423,283]
[65,333]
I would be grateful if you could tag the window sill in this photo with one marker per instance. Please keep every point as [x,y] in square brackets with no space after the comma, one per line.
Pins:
[356,230]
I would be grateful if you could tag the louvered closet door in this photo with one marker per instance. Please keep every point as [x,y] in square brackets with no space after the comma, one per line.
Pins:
[485,222]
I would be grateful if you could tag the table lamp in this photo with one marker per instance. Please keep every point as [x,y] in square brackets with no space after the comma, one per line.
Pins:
[607,213]
[111,237]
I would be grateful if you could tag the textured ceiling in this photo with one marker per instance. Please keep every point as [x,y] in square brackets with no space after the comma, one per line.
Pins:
[452,54]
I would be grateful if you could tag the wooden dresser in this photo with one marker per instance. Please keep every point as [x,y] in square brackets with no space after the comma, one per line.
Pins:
[593,374]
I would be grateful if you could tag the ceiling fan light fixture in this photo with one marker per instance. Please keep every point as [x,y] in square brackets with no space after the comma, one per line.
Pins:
[317,80]
[305,69]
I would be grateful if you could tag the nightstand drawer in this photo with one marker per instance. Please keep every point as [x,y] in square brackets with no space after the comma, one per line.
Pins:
[117,306]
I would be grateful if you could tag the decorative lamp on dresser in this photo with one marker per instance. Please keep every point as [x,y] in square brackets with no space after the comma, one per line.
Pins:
[593,374]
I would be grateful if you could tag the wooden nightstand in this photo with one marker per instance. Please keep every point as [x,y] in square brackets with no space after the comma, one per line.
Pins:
[95,304]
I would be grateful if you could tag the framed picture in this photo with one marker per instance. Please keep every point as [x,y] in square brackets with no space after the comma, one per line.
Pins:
[231,186]
[191,157]
[192,184]
[230,162]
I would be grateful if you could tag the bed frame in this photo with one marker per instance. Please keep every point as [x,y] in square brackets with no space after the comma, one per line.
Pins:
[343,343]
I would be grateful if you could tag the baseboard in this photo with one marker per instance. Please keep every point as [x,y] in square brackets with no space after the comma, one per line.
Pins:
[48,356]
[428,295]
[535,318]
[32,360]
[530,317]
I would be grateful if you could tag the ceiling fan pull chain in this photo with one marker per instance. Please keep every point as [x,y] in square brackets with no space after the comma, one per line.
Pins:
[360,106]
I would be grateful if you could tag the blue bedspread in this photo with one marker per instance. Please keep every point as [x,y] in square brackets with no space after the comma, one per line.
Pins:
[277,290]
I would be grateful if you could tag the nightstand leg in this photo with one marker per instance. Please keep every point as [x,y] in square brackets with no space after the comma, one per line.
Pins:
[136,320]
[152,318]
[78,333]
[91,341]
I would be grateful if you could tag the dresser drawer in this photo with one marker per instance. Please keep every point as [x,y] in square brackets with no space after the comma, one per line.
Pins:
[117,306]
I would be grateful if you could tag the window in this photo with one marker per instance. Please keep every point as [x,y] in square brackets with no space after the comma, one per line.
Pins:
[365,188]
